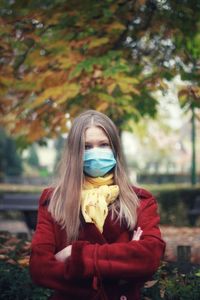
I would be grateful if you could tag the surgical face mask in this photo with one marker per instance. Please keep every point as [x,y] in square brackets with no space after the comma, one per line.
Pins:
[98,161]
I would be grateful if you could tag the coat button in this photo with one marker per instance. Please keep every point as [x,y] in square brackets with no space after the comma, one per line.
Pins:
[123,297]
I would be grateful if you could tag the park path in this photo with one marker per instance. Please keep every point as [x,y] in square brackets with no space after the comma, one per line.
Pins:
[173,237]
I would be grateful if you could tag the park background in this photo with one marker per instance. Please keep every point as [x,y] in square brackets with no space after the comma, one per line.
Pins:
[139,63]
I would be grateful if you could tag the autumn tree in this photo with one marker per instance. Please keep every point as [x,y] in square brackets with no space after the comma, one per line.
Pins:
[61,57]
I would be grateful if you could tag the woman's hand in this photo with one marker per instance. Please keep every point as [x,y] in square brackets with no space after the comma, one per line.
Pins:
[64,253]
[137,234]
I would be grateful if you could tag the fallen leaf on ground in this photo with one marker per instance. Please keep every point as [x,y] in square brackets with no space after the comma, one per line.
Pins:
[149,284]
[24,262]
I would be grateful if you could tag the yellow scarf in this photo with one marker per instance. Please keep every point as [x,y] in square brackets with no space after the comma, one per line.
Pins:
[97,194]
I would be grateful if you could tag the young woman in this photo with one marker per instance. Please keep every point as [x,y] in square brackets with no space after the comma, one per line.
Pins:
[97,237]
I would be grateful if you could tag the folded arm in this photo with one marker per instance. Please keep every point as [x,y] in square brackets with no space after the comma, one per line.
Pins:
[134,259]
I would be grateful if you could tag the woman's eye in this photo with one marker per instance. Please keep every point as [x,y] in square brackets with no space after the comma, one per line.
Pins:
[105,145]
[88,147]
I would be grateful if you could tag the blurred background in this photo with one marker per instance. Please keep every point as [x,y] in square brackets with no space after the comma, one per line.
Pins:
[137,61]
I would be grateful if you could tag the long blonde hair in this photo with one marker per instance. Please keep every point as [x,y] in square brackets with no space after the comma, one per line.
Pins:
[65,201]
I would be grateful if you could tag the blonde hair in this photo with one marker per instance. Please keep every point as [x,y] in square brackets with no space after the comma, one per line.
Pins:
[65,201]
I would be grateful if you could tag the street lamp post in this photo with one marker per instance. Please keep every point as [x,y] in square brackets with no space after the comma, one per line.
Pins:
[193,164]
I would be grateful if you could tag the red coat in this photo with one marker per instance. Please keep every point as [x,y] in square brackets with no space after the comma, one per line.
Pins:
[102,266]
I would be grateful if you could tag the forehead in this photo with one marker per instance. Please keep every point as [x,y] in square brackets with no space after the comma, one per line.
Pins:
[95,133]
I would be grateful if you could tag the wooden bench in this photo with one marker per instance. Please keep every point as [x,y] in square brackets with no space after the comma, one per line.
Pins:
[194,212]
[25,202]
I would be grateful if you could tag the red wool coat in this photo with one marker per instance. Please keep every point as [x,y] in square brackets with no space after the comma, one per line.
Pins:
[102,266]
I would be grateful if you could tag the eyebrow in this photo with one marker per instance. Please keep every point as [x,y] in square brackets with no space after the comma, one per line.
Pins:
[100,141]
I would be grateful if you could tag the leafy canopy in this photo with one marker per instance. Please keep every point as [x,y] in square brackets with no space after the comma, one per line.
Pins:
[61,57]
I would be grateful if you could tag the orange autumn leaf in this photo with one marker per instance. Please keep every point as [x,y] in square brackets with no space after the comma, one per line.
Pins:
[24,262]
[54,79]
[36,131]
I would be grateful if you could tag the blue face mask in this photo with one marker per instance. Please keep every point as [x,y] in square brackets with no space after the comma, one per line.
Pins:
[97,161]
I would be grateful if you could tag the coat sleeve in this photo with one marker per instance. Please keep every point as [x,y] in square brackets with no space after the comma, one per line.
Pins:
[44,269]
[135,259]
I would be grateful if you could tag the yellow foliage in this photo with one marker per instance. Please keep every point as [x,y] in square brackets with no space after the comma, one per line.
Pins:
[58,93]
[70,59]
[105,97]
[120,77]
[48,93]
[102,106]
[9,121]
[162,84]
[33,78]
[116,26]
[65,62]
[81,45]
[70,91]
[6,80]
[36,59]
[98,42]
[60,44]
[111,87]
[128,88]
[126,84]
